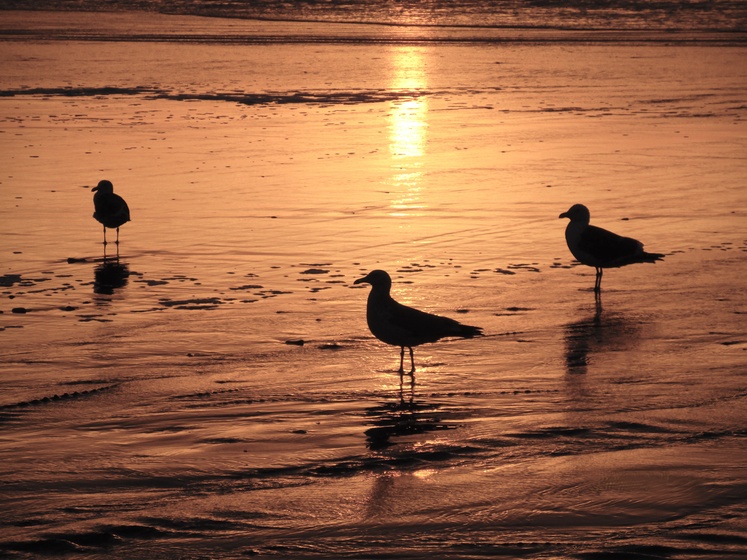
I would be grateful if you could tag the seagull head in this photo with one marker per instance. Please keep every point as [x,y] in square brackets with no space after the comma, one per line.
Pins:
[379,279]
[104,187]
[577,213]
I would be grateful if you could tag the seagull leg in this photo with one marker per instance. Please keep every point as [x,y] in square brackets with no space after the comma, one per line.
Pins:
[598,282]
[598,305]
[117,241]
[104,243]
[402,362]
[412,362]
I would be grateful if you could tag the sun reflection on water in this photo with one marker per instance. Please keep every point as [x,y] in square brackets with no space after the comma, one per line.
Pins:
[408,128]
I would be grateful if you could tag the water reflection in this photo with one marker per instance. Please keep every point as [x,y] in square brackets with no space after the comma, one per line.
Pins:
[403,418]
[407,134]
[408,127]
[595,334]
[110,275]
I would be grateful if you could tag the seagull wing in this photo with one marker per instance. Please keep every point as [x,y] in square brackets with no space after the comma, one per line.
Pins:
[124,210]
[111,210]
[607,247]
[425,327]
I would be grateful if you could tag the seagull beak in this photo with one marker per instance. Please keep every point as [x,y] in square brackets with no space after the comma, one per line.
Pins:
[563,215]
[94,189]
[361,280]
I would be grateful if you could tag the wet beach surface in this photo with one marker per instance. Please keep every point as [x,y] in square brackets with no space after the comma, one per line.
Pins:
[215,391]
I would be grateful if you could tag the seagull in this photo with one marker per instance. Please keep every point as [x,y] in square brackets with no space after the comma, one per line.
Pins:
[399,325]
[111,209]
[597,247]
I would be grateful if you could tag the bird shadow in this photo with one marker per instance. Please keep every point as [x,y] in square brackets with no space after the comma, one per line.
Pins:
[110,276]
[404,417]
[596,333]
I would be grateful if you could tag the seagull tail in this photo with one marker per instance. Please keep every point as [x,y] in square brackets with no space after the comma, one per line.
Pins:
[651,257]
[466,331]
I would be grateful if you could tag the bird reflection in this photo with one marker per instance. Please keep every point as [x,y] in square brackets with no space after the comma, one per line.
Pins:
[403,418]
[110,258]
[110,275]
[596,333]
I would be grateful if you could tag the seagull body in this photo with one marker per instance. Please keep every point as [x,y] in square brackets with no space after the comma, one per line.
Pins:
[403,326]
[110,209]
[597,247]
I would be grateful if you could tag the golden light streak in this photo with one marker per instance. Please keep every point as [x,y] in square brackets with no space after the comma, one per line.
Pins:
[408,128]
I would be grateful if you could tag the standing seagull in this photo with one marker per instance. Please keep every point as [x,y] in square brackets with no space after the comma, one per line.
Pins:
[597,247]
[111,209]
[399,325]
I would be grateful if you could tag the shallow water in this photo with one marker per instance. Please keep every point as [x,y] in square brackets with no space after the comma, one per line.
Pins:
[215,392]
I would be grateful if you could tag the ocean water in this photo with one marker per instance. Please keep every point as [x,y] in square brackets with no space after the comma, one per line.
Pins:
[212,391]
[661,15]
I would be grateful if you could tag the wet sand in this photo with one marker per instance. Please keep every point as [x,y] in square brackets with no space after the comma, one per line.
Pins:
[215,391]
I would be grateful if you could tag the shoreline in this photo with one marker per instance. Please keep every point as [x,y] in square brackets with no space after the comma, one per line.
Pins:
[104,26]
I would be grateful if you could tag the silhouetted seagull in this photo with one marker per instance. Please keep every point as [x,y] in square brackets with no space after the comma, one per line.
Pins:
[111,209]
[399,325]
[597,247]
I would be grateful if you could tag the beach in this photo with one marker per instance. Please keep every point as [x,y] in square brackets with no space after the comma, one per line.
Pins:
[215,392]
